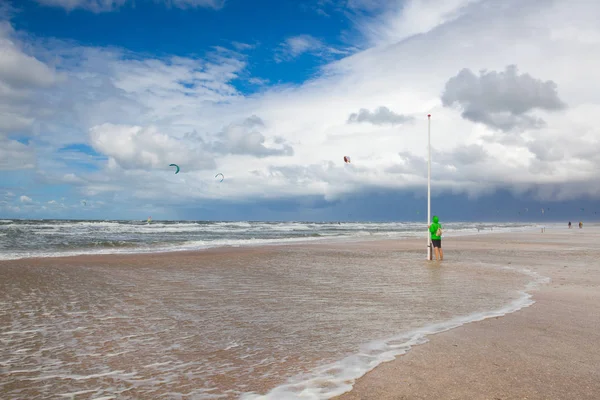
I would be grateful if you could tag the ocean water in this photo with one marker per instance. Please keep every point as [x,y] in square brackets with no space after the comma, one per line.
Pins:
[296,322]
[48,238]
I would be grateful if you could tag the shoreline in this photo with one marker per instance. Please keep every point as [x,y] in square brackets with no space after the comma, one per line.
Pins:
[501,358]
[275,243]
[398,345]
[456,248]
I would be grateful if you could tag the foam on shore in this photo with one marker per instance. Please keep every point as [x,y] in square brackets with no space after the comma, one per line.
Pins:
[338,378]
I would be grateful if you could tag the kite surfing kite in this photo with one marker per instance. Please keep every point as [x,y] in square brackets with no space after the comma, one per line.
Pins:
[347,159]
[222,176]
[176,166]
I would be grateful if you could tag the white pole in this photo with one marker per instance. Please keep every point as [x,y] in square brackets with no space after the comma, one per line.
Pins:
[429,255]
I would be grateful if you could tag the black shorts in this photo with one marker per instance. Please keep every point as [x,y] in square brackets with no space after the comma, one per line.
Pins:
[437,243]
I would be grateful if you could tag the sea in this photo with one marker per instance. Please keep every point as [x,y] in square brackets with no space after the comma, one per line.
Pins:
[300,322]
[51,238]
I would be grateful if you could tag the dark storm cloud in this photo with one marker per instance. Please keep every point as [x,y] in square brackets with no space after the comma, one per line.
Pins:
[501,100]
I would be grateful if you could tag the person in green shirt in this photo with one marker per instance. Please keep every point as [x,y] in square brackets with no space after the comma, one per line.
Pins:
[436,237]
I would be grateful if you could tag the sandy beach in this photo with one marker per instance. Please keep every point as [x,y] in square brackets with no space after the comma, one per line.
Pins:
[550,350]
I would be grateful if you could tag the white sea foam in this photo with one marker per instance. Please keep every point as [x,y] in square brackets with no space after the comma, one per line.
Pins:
[339,377]
[63,238]
[176,331]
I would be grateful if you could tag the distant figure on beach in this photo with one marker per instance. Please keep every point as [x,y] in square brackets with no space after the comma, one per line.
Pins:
[436,237]
[580,224]
[569,224]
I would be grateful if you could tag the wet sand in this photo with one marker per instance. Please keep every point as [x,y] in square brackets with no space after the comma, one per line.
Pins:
[226,321]
[547,351]
[550,350]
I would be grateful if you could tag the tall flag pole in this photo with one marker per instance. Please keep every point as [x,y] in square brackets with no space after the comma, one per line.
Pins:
[429,252]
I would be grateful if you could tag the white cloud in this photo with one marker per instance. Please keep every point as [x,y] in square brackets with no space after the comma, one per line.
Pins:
[21,74]
[398,20]
[96,6]
[246,138]
[18,69]
[243,46]
[501,100]
[382,115]
[295,46]
[25,199]
[258,81]
[133,147]
[99,6]
[15,155]
[145,113]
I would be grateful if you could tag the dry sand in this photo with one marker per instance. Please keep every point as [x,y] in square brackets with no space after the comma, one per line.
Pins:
[550,350]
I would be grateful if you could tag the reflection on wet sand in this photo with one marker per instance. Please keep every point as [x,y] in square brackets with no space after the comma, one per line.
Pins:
[217,323]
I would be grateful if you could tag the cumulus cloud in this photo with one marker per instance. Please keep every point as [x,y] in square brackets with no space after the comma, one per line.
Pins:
[111,86]
[245,138]
[133,147]
[201,79]
[382,115]
[546,151]
[21,75]
[501,100]
[25,199]
[19,70]
[462,155]
[143,112]
[15,155]
[409,163]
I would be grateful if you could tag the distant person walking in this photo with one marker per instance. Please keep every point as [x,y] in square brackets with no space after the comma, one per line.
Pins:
[580,224]
[436,237]
[569,224]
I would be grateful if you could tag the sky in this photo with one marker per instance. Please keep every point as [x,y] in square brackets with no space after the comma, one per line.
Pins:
[99,97]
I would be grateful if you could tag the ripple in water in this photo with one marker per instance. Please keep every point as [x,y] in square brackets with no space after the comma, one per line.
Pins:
[200,327]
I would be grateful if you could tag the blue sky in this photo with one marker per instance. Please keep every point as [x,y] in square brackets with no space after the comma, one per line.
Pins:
[98,97]
[153,28]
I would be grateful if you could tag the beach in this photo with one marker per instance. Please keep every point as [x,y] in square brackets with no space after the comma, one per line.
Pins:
[308,320]
[546,351]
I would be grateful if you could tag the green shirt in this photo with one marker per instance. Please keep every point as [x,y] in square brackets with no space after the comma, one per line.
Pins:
[433,229]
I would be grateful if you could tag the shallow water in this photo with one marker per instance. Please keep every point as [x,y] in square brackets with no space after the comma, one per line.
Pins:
[219,327]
